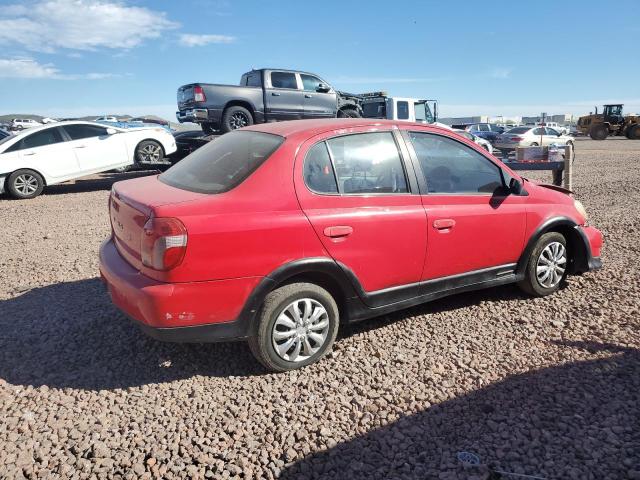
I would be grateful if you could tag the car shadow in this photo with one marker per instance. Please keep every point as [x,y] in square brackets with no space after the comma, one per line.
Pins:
[576,420]
[71,335]
[104,182]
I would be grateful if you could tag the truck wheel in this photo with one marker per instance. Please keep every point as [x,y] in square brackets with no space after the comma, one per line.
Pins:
[599,132]
[236,117]
[349,113]
[633,133]
[208,128]
[23,184]
[296,327]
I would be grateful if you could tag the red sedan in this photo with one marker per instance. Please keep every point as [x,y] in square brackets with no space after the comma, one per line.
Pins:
[279,232]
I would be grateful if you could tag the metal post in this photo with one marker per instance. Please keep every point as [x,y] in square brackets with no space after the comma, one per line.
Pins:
[568,167]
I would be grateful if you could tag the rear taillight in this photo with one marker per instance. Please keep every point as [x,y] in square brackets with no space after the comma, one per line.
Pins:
[198,94]
[164,243]
[516,139]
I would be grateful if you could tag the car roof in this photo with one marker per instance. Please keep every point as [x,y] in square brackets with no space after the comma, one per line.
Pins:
[315,127]
[24,133]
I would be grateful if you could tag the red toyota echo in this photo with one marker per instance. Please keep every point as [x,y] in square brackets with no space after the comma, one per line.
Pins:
[277,233]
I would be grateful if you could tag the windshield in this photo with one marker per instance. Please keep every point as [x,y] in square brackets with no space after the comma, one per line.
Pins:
[423,112]
[222,164]
[519,130]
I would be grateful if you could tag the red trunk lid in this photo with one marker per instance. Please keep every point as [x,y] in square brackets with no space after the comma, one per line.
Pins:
[131,204]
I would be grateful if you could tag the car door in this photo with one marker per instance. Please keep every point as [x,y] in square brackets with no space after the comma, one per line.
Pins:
[551,136]
[473,223]
[284,99]
[94,148]
[365,210]
[47,152]
[318,103]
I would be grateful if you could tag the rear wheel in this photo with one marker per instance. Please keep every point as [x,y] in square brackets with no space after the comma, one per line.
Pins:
[546,266]
[236,117]
[149,152]
[349,113]
[599,132]
[534,144]
[23,184]
[297,326]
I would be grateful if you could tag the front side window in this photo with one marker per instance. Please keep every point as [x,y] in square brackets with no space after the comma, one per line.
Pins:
[78,132]
[483,127]
[403,110]
[551,131]
[222,164]
[318,171]
[309,82]
[42,138]
[368,163]
[283,80]
[449,167]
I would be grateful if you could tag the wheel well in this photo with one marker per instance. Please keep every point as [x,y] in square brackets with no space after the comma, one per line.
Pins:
[323,280]
[240,103]
[6,179]
[348,106]
[577,250]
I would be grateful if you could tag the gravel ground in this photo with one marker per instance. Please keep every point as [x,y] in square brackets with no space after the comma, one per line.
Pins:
[546,387]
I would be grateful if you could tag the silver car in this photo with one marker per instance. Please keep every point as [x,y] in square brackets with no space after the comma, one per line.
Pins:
[531,136]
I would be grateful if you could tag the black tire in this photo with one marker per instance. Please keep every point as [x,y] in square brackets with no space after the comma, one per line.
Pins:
[534,144]
[531,284]
[148,152]
[599,132]
[633,133]
[349,113]
[236,117]
[24,184]
[208,128]
[260,340]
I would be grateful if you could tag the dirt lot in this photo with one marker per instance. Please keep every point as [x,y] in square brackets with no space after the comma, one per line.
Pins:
[547,387]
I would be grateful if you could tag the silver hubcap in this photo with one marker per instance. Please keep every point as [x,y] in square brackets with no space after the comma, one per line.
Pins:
[300,330]
[150,153]
[551,265]
[26,184]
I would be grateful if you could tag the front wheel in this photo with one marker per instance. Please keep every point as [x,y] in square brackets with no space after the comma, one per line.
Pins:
[149,152]
[599,132]
[546,266]
[24,184]
[349,113]
[297,326]
[634,132]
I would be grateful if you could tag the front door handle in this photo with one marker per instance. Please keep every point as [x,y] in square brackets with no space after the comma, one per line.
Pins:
[29,154]
[306,95]
[275,94]
[81,146]
[444,223]
[338,231]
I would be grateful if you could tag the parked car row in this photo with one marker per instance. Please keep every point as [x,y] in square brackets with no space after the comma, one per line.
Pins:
[49,154]
[531,137]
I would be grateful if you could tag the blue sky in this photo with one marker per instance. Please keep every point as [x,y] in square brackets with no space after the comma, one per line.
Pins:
[78,57]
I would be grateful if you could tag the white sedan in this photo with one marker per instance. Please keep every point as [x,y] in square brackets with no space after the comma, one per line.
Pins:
[475,139]
[63,151]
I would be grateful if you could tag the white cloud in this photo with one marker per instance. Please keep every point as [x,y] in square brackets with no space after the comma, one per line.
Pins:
[30,68]
[193,40]
[50,25]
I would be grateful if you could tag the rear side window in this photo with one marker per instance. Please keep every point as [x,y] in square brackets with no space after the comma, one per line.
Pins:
[283,80]
[38,139]
[253,79]
[223,163]
[451,167]
[403,110]
[318,171]
[368,163]
[78,132]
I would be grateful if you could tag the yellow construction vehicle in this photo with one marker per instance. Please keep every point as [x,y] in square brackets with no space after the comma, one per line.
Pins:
[610,122]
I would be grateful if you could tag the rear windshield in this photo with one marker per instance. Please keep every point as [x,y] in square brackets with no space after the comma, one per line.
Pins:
[223,163]
[519,130]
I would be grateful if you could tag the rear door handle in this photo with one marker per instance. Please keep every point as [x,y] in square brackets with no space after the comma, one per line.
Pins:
[444,223]
[275,94]
[338,231]
[81,146]
[29,154]
[306,95]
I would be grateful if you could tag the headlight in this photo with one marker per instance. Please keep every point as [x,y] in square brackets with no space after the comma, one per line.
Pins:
[580,208]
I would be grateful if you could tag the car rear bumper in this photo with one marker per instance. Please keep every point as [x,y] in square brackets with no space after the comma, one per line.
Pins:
[177,312]
[200,115]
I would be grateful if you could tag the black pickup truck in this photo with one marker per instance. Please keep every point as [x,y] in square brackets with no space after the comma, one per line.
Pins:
[265,95]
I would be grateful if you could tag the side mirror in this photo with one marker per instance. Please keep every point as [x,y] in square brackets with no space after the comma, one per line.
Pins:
[322,88]
[111,131]
[515,186]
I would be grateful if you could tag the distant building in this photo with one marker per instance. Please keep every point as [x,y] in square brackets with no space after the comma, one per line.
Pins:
[561,119]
